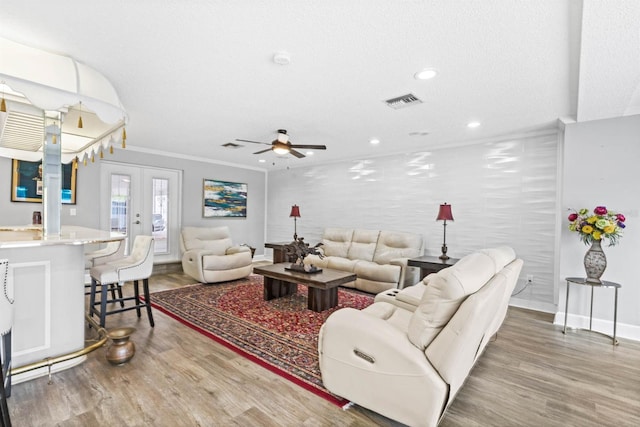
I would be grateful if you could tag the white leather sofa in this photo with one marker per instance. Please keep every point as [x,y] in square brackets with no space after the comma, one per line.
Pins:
[378,258]
[406,361]
[209,255]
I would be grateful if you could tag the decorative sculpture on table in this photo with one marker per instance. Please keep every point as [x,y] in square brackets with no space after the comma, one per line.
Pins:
[298,250]
[593,227]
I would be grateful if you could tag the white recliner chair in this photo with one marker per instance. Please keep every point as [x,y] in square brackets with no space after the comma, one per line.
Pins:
[210,256]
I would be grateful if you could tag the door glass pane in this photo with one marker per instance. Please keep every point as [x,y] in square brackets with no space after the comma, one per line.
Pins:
[159,212]
[120,190]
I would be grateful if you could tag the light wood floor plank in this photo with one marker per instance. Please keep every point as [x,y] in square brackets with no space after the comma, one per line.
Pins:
[531,375]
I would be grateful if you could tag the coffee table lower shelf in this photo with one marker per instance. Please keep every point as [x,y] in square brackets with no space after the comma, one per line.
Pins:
[323,287]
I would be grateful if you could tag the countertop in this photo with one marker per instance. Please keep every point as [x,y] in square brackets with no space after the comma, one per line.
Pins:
[32,236]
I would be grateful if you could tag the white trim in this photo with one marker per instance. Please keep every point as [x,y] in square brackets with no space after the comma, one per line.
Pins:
[603,326]
[188,157]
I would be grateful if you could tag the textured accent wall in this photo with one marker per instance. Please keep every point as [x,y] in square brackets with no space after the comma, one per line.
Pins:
[502,193]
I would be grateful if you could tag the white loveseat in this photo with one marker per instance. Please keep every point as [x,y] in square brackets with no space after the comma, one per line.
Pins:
[406,361]
[378,258]
[209,255]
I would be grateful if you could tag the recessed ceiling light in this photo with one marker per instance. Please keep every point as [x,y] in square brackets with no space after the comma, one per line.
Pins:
[262,160]
[374,141]
[426,74]
[419,133]
[309,153]
[282,58]
[473,124]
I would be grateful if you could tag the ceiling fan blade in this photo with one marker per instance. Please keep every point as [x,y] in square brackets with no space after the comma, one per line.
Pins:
[296,153]
[263,151]
[253,142]
[310,147]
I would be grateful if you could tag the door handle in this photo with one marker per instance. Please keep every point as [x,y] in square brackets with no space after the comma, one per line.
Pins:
[137,222]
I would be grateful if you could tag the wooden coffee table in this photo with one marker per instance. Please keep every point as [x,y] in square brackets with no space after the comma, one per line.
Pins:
[323,286]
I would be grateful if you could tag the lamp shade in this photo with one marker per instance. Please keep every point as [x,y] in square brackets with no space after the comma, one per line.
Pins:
[445,213]
[295,211]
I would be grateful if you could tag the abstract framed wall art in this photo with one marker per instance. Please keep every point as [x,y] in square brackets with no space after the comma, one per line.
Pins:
[224,199]
[26,182]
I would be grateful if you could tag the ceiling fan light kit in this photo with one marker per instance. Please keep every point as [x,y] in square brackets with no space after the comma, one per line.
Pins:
[281,145]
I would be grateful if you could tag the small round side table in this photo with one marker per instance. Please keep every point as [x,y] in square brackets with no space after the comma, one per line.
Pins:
[603,284]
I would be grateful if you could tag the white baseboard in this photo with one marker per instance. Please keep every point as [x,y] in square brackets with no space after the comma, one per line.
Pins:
[533,305]
[624,330]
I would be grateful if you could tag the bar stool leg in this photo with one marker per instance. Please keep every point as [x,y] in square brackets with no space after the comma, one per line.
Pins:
[147,300]
[4,408]
[92,297]
[103,304]
[136,294]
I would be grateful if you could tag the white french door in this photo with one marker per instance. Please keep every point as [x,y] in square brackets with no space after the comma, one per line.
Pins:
[138,200]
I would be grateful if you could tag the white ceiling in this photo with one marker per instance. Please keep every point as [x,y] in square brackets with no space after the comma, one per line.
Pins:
[194,75]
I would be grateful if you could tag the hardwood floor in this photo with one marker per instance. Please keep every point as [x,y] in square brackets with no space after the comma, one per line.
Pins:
[532,375]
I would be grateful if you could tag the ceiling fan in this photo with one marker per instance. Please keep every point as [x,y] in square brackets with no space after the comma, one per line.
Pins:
[282,145]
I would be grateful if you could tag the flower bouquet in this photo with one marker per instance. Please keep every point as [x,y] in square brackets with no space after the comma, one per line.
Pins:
[593,227]
[597,225]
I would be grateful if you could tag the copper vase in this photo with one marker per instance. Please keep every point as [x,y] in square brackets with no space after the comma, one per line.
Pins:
[121,349]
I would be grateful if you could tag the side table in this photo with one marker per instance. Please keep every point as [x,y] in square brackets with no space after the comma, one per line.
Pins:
[430,264]
[604,284]
[279,253]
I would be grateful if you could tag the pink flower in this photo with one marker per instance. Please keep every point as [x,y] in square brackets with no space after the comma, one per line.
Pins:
[573,217]
[621,218]
[600,210]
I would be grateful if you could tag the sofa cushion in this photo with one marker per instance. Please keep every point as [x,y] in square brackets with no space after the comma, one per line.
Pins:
[444,294]
[363,244]
[214,239]
[394,315]
[336,241]
[392,245]
[226,262]
[342,264]
[382,273]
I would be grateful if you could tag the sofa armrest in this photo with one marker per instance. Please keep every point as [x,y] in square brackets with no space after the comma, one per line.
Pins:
[192,263]
[237,249]
[349,329]
[373,364]
[409,276]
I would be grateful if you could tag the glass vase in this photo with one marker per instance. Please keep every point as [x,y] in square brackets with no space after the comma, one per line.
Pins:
[595,262]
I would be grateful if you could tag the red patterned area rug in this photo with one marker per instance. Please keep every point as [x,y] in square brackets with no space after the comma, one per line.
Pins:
[281,334]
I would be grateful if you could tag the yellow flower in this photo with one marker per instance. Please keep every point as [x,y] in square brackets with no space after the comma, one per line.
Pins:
[609,229]
[592,219]
[597,235]
[587,229]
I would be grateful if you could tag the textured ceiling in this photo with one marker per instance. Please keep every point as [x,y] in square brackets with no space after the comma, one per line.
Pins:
[195,75]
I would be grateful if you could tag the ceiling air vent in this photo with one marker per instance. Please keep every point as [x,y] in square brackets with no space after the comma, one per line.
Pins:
[231,145]
[403,101]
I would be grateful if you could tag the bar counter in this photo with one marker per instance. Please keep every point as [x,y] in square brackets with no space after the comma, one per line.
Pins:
[46,278]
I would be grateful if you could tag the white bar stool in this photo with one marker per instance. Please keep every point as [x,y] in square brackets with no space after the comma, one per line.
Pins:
[112,252]
[135,267]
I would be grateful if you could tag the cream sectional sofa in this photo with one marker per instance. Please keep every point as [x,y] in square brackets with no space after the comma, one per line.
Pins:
[407,355]
[378,258]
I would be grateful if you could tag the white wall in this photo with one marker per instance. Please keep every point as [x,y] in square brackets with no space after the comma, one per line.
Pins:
[502,193]
[248,230]
[602,167]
